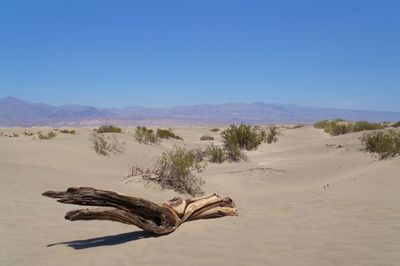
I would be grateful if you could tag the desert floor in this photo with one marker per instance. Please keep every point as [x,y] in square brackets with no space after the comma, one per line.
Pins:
[309,199]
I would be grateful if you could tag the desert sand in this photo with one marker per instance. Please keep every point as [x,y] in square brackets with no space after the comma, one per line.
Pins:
[309,199]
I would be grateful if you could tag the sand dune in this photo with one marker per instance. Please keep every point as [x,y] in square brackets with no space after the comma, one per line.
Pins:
[309,199]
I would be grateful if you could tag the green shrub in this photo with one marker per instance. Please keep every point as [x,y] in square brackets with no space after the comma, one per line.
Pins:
[214,129]
[245,136]
[206,137]
[240,137]
[364,125]
[66,131]
[108,129]
[386,144]
[174,170]
[334,127]
[167,134]
[104,145]
[47,136]
[338,128]
[145,135]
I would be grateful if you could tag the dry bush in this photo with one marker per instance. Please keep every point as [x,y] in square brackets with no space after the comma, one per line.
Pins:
[214,129]
[175,170]
[104,145]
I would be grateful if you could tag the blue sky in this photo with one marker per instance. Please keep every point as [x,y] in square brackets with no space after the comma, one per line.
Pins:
[166,53]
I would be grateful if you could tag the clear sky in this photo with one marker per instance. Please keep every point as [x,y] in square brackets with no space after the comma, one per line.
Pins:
[165,53]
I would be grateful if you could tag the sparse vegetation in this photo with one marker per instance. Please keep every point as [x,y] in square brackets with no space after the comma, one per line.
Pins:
[167,134]
[27,133]
[174,170]
[145,135]
[47,136]
[108,129]
[334,127]
[104,145]
[339,126]
[396,124]
[271,136]
[206,137]
[66,131]
[214,129]
[364,125]
[386,144]
[216,154]
[15,135]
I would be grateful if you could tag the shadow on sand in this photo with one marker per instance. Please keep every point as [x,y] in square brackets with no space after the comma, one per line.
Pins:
[106,240]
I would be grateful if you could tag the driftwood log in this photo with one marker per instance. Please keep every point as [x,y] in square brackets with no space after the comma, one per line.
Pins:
[156,218]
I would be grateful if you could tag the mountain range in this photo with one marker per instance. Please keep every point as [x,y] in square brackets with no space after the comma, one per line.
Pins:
[16,112]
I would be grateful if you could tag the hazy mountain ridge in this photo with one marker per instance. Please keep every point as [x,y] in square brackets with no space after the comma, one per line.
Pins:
[16,112]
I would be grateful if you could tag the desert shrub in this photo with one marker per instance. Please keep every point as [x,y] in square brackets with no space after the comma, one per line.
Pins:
[338,128]
[104,145]
[175,170]
[66,131]
[216,154]
[27,133]
[364,125]
[396,124]
[327,123]
[234,152]
[244,136]
[214,129]
[145,135]
[108,129]
[271,136]
[49,135]
[240,137]
[206,137]
[167,134]
[334,127]
[386,144]
[15,135]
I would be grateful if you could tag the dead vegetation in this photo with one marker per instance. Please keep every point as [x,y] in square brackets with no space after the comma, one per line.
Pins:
[152,217]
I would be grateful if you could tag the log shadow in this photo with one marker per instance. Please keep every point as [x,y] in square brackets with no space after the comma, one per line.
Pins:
[109,240]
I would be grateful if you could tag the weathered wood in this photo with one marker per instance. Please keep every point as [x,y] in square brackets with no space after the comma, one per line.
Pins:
[156,218]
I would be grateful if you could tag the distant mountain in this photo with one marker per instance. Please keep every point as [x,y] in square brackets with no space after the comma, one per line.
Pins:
[15,112]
